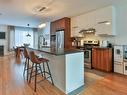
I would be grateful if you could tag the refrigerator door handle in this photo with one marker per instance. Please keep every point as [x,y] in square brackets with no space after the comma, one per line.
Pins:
[60,39]
[56,41]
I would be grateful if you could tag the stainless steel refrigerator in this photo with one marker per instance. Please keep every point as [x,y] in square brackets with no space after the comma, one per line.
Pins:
[60,39]
[57,40]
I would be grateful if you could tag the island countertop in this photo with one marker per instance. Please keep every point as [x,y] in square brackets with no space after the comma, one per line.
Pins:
[54,51]
[63,64]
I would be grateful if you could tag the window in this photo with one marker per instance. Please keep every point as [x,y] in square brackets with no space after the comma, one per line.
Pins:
[21,38]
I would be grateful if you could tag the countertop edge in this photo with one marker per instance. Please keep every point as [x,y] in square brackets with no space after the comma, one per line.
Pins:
[54,53]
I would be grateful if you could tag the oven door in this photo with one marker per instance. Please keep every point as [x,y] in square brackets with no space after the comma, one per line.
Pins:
[87,56]
[118,54]
[125,68]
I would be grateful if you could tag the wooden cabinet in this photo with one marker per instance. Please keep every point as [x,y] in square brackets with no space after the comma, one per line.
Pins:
[102,59]
[53,28]
[63,23]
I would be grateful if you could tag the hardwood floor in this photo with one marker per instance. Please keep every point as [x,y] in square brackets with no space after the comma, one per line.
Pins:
[13,83]
[109,84]
[96,83]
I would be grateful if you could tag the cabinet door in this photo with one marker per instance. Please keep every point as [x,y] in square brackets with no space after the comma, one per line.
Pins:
[99,59]
[102,66]
[95,58]
[102,59]
[53,28]
[103,29]
[60,24]
[109,59]
[104,14]
[90,18]
[105,59]
[75,27]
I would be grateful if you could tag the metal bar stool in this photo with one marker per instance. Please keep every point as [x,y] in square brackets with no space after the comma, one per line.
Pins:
[37,62]
[26,67]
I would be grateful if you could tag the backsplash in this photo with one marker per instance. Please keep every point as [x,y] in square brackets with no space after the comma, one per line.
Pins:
[111,39]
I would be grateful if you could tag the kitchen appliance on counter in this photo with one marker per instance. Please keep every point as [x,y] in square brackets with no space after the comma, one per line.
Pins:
[88,44]
[76,42]
[57,40]
[104,43]
[120,59]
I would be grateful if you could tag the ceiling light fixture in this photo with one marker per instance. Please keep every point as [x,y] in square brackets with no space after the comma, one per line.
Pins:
[42,9]
[42,25]
[105,22]
[39,9]
[28,35]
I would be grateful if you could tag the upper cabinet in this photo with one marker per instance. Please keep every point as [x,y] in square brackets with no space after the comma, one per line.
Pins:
[103,15]
[92,20]
[75,21]
[81,22]
[63,23]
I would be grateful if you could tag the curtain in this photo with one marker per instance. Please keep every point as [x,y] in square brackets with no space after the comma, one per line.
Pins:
[11,38]
[35,32]
[20,36]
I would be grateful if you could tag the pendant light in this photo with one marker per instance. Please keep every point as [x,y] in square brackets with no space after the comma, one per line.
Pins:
[28,35]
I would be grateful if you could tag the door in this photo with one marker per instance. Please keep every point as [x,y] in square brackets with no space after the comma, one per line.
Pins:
[60,39]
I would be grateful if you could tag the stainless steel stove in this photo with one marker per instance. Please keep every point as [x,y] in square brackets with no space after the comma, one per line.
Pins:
[88,45]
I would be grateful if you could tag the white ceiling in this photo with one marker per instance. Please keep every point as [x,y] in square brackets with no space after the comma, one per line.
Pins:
[20,12]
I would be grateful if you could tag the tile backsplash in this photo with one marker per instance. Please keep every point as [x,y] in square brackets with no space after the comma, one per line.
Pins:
[111,39]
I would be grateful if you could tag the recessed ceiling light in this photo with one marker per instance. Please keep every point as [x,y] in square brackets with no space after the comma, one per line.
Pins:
[42,25]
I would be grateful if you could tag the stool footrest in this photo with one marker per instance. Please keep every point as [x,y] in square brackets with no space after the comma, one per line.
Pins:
[36,74]
[46,72]
[43,79]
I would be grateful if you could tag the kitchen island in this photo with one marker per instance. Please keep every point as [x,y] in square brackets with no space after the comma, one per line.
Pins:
[67,67]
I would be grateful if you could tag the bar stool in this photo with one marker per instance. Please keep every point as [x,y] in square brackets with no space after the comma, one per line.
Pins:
[18,52]
[37,62]
[26,67]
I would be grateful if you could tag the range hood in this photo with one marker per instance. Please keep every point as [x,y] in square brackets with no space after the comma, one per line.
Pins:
[87,31]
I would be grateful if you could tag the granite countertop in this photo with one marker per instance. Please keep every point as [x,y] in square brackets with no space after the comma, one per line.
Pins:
[53,51]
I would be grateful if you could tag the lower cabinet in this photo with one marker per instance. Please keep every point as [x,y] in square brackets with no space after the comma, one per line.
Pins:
[102,59]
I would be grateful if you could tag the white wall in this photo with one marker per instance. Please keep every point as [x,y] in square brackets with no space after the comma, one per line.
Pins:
[4,28]
[121,24]
[46,32]
[35,38]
